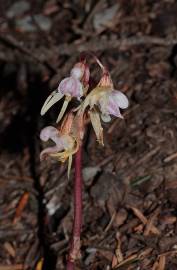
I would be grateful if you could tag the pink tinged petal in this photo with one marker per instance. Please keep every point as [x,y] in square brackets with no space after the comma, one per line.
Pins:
[71,86]
[77,72]
[60,143]
[113,108]
[119,98]
[48,132]
[48,151]
[53,134]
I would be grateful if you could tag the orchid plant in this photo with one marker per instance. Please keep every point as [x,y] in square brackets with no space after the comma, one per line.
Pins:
[97,104]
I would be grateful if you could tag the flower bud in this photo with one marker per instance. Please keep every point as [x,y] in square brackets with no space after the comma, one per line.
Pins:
[106,80]
[116,100]
[78,70]
[81,72]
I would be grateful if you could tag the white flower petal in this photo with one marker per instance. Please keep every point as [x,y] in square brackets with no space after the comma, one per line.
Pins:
[121,99]
[50,101]
[113,109]
[63,109]
[105,118]
[77,72]
[70,159]
[47,151]
[71,86]
[96,123]
[47,133]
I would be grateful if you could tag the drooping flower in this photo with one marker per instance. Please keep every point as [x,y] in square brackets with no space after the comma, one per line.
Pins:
[66,143]
[111,104]
[104,101]
[70,87]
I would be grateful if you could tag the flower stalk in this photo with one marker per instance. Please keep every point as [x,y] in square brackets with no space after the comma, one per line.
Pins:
[74,252]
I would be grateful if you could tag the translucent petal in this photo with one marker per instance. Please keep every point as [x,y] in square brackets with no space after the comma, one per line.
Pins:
[94,96]
[69,165]
[105,118]
[54,97]
[77,72]
[103,104]
[113,109]
[120,99]
[48,132]
[49,151]
[61,156]
[63,109]
[71,86]
[96,123]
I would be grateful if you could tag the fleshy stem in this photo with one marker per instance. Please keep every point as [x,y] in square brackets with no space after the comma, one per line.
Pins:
[74,252]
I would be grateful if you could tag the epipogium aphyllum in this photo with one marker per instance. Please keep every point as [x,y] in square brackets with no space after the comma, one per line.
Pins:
[96,104]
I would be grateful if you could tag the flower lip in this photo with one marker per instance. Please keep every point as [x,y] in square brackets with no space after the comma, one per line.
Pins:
[71,86]
[48,132]
[119,98]
[112,102]
[62,141]
[113,109]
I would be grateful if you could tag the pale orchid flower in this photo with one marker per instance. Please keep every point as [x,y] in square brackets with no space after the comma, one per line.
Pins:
[111,104]
[104,101]
[66,143]
[62,142]
[70,87]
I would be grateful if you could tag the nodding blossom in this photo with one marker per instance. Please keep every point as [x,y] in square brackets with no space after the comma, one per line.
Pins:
[65,142]
[104,101]
[112,104]
[73,86]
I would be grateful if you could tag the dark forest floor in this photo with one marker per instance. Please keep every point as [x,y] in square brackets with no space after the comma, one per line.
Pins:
[130,192]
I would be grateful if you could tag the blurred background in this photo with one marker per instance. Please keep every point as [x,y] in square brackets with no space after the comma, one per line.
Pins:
[130,185]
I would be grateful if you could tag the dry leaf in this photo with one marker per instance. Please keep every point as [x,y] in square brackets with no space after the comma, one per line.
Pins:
[11,267]
[118,257]
[9,249]
[162,261]
[130,259]
[144,220]
[20,207]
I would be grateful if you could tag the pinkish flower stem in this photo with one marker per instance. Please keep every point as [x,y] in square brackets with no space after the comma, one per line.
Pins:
[74,252]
